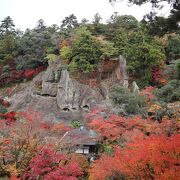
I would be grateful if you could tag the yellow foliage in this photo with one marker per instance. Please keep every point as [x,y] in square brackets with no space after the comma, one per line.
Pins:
[154,108]
[11,168]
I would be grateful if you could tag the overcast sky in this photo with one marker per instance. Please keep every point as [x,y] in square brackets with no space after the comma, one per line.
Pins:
[26,13]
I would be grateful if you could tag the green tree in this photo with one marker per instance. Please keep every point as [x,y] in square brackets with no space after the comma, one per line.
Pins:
[97,18]
[127,22]
[40,25]
[141,50]
[169,92]
[164,24]
[69,22]
[173,47]
[120,41]
[121,24]
[32,48]
[7,40]
[84,21]
[7,26]
[85,51]
[97,27]
[7,48]
[108,50]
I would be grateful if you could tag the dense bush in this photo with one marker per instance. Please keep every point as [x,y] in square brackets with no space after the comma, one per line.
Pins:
[173,46]
[172,71]
[132,103]
[3,110]
[75,123]
[169,92]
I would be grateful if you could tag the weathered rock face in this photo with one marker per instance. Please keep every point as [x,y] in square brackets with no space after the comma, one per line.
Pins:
[55,95]
[121,72]
[50,79]
[49,89]
[72,96]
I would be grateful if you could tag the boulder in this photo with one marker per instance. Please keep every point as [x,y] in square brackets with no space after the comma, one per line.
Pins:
[135,87]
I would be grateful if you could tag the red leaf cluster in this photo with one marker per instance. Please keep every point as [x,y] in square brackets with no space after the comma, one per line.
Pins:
[48,164]
[118,128]
[15,75]
[30,146]
[9,117]
[115,126]
[147,92]
[30,73]
[157,76]
[156,157]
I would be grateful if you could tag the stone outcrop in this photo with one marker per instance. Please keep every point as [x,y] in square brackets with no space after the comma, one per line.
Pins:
[121,72]
[135,87]
[73,96]
[57,96]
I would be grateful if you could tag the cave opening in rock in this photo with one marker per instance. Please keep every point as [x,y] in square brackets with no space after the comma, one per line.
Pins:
[85,107]
[66,109]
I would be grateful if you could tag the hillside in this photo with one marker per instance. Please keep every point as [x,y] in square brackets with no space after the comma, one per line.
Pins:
[91,100]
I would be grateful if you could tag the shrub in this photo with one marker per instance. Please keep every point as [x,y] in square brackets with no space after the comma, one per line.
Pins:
[169,92]
[132,103]
[173,46]
[172,71]
[5,70]
[75,124]
[3,110]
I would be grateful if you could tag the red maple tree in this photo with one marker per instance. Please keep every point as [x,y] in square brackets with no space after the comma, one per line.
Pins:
[49,164]
[156,157]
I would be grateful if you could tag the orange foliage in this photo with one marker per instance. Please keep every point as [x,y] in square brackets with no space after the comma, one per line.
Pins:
[115,127]
[47,165]
[64,43]
[121,129]
[156,157]
[80,159]
[22,139]
[147,92]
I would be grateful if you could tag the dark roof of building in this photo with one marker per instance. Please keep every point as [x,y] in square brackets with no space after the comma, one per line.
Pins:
[81,136]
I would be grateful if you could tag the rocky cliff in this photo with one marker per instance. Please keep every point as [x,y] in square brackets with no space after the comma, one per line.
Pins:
[58,97]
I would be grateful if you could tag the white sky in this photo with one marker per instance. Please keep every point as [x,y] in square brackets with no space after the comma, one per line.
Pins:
[26,13]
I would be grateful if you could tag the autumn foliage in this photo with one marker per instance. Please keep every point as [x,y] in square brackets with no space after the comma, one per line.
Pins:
[49,164]
[8,117]
[156,157]
[114,128]
[147,92]
[31,148]
[157,76]
[15,75]
[141,148]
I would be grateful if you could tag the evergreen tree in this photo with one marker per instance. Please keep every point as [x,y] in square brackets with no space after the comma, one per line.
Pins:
[7,26]
[70,22]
